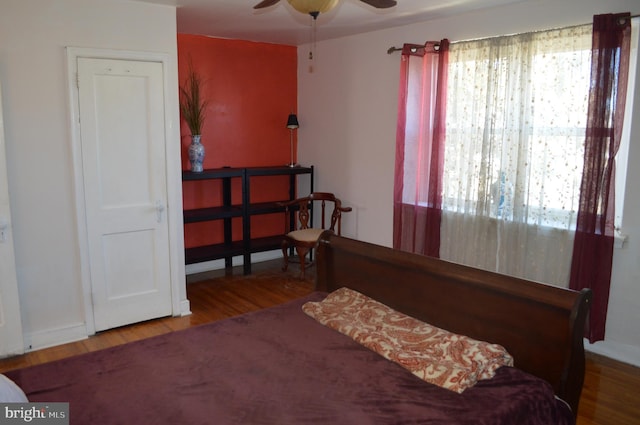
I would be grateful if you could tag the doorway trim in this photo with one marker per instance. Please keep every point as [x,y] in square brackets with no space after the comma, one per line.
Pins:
[179,302]
[11,331]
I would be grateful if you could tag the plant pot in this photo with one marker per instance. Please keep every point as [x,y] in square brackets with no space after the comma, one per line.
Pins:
[196,154]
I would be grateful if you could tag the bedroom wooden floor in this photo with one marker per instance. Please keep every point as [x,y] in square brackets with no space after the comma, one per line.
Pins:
[610,396]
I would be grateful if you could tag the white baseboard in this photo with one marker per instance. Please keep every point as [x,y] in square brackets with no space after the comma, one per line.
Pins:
[208,266]
[52,337]
[622,352]
[12,351]
[185,308]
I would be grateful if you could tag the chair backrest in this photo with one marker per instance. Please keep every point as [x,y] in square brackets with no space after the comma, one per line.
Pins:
[324,201]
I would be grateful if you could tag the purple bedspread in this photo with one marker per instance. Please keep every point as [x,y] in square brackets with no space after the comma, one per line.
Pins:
[276,366]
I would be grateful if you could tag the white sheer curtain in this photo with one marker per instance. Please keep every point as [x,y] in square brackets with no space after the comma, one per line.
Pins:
[516,117]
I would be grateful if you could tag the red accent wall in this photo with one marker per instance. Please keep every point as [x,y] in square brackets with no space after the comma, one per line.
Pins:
[251,89]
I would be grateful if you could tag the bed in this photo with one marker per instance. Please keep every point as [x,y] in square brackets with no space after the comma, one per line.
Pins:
[281,366]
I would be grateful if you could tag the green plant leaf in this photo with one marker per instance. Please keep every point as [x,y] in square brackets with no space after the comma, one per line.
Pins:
[192,105]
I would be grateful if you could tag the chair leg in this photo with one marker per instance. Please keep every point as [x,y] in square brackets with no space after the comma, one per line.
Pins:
[302,253]
[285,256]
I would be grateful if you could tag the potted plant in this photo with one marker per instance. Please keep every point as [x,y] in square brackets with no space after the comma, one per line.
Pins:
[193,108]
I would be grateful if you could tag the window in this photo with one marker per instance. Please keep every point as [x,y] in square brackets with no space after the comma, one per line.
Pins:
[516,117]
[524,114]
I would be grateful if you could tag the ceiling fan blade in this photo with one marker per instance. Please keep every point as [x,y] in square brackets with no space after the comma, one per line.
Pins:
[265,3]
[380,4]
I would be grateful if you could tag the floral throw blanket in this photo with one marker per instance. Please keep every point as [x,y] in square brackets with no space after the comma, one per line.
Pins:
[451,361]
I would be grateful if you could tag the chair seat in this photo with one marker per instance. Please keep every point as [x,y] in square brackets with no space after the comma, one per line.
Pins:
[306,235]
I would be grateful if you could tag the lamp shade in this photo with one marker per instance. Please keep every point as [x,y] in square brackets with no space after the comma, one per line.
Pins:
[292,121]
[308,6]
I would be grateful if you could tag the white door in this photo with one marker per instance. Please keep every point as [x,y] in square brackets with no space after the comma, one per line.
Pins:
[122,132]
[10,322]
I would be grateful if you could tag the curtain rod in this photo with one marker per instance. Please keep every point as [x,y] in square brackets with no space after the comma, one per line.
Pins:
[393,49]
[413,49]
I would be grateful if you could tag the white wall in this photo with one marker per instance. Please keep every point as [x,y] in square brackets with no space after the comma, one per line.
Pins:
[347,111]
[33,37]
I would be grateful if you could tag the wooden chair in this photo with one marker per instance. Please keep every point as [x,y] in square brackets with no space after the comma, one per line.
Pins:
[300,233]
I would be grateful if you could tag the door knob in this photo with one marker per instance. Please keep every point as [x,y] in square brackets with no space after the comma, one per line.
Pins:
[4,228]
[159,210]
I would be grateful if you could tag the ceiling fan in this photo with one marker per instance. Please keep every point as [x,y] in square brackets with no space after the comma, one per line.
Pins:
[315,7]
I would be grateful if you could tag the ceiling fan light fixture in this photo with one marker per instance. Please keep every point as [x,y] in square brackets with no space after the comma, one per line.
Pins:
[311,6]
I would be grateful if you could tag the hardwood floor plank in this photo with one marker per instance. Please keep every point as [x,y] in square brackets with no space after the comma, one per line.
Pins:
[103,340]
[57,352]
[611,393]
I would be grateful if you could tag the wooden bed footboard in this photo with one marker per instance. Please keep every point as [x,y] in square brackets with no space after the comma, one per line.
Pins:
[540,325]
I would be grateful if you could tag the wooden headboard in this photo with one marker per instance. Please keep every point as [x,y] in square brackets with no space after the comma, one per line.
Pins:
[540,325]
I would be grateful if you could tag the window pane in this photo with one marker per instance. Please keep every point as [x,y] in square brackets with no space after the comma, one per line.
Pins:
[516,114]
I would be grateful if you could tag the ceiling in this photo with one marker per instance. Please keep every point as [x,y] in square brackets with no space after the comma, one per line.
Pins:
[281,24]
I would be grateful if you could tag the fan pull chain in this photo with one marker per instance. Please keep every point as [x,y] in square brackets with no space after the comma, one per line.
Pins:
[312,42]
